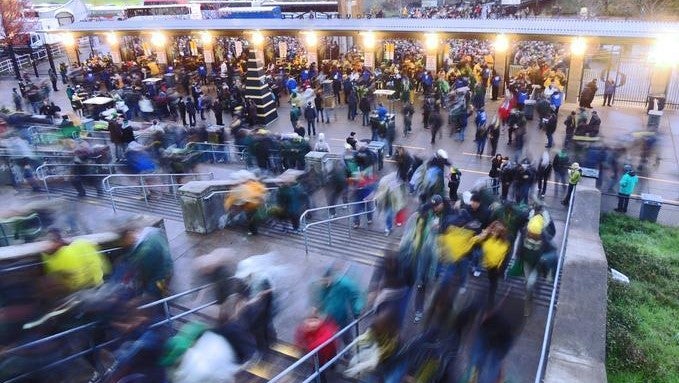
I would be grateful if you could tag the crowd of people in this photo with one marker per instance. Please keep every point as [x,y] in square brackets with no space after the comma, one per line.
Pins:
[467,10]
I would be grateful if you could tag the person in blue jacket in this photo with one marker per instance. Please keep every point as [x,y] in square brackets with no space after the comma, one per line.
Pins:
[628,182]
[556,99]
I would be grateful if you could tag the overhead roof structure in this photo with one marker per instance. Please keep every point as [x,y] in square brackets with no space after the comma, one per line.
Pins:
[538,27]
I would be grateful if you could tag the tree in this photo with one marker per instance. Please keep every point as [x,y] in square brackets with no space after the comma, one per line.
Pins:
[650,8]
[12,25]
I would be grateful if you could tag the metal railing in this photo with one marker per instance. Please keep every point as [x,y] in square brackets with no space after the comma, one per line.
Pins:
[26,60]
[226,152]
[144,185]
[368,208]
[667,211]
[165,302]
[44,175]
[33,231]
[547,338]
[318,369]
[21,265]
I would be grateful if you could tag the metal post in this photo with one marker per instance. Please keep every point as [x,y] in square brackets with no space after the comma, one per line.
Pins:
[50,58]
[47,190]
[316,367]
[113,202]
[30,58]
[166,309]
[13,59]
[349,226]
[143,189]
[329,235]
[172,185]
[306,243]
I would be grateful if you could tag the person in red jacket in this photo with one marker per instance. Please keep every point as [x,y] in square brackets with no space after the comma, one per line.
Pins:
[313,332]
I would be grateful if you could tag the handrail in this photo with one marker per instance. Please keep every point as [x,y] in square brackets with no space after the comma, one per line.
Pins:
[169,319]
[546,340]
[315,351]
[212,194]
[111,189]
[328,221]
[13,220]
[10,269]
[40,170]
[87,325]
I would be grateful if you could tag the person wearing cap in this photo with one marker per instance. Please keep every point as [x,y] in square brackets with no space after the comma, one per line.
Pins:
[627,183]
[574,176]
[535,252]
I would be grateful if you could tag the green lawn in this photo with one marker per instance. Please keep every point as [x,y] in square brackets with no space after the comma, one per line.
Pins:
[642,344]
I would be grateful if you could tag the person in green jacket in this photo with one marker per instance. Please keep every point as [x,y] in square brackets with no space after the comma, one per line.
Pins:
[147,261]
[340,299]
[628,182]
[574,176]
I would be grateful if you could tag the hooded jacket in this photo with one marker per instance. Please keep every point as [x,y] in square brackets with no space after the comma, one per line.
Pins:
[628,182]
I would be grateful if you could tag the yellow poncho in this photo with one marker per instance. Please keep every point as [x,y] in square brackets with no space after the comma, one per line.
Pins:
[79,265]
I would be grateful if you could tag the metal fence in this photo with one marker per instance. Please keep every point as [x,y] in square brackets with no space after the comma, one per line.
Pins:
[148,183]
[312,356]
[26,60]
[87,330]
[363,207]
[668,211]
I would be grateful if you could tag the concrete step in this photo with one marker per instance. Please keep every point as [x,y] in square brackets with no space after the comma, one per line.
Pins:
[366,246]
[166,205]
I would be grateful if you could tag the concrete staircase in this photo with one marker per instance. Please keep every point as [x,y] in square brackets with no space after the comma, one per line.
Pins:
[366,246]
[164,205]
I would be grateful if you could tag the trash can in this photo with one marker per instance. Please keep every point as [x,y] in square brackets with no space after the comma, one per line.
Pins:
[377,147]
[528,109]
[650,207]
[656,102]
[654,119]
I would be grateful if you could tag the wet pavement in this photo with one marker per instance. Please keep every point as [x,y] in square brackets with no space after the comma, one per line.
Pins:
[293,272]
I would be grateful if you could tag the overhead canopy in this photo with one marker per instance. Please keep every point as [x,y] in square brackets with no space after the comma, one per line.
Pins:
[537,28]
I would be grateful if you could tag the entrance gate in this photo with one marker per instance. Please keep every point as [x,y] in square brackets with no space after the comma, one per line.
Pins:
[627,66]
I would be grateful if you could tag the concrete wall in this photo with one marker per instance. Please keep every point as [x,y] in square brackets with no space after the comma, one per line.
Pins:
[578,348]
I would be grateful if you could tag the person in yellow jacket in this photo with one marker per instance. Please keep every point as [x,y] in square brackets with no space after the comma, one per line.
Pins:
[77,265]
[456,243]
[495,248]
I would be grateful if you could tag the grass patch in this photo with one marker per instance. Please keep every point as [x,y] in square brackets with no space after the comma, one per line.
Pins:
[642,341]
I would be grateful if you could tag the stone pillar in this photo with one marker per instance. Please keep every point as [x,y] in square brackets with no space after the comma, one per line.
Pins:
[501,67]
[574,77]
[208,55]
[660,78]
[72,53]
[116,57]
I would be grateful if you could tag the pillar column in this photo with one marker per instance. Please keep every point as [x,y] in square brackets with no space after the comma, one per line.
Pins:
[369,42]
[501,68]
[208,55]
[575,69]
[432,48]
[660,78]
[72,53]
[500,62]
